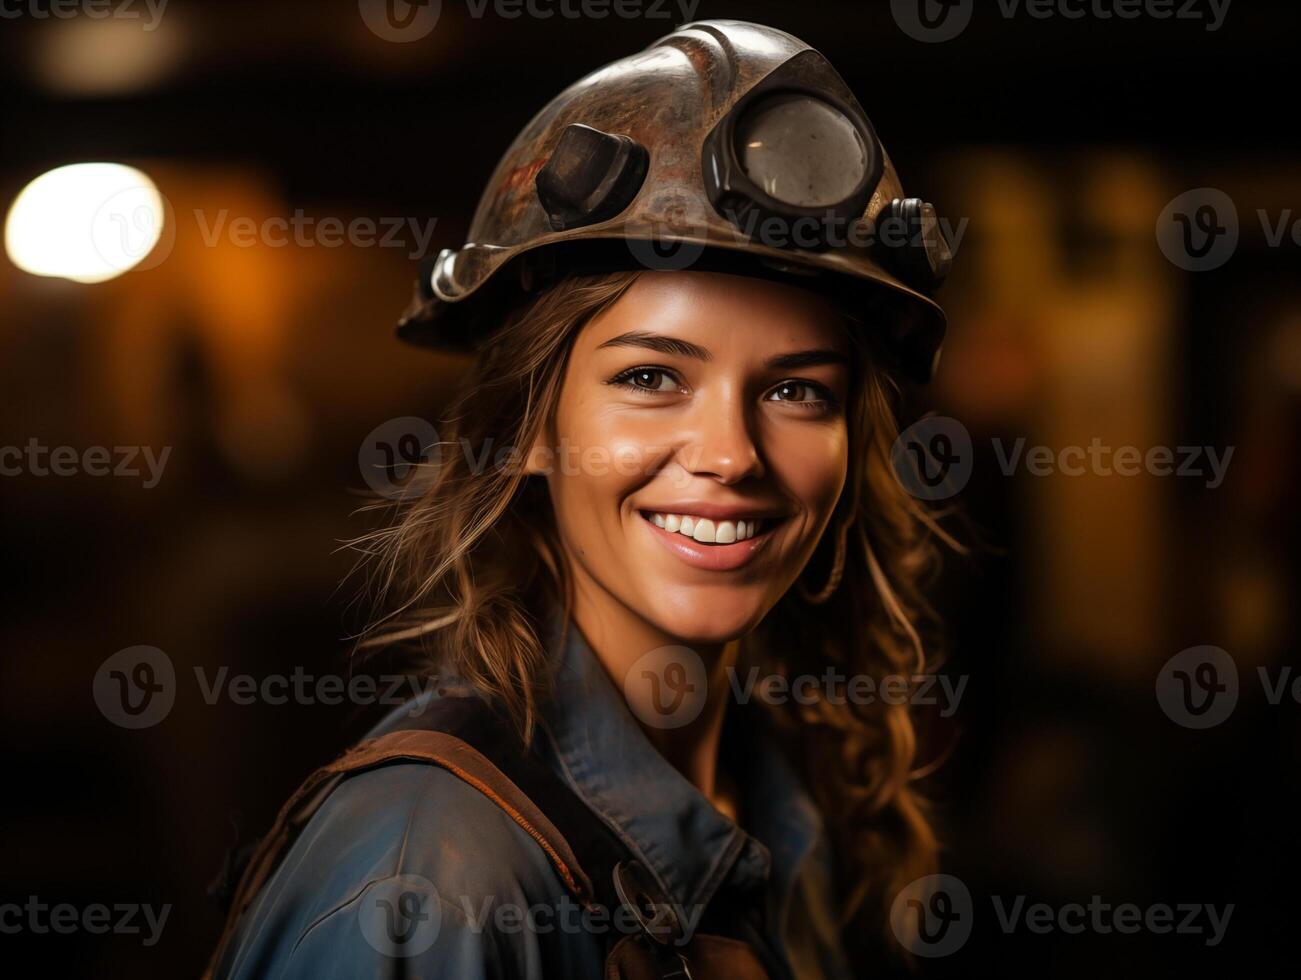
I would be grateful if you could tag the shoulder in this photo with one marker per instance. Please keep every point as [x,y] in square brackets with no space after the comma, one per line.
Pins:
[420,819]
[408,841]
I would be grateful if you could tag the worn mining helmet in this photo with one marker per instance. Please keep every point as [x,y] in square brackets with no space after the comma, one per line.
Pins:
[726,146]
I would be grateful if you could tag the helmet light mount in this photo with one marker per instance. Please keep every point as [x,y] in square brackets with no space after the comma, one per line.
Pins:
[911,239]
[591,176]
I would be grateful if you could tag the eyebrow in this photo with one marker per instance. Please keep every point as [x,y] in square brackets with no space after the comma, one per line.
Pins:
[658,342]
[664,344]
[808,358]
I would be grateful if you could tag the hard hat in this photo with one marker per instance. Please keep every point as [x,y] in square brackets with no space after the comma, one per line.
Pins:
[734,146]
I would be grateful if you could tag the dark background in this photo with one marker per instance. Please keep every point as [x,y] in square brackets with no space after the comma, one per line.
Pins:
[265,368]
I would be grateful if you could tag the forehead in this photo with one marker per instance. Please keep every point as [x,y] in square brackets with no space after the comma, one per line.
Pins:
[721,312]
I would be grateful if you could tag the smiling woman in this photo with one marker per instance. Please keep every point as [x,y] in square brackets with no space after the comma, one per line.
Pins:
[751,462]
[782,428]
[694,483]
[722,433]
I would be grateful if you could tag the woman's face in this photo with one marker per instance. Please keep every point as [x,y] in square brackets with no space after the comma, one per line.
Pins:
[698,449]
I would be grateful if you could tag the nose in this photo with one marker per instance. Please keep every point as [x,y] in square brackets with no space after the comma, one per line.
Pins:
[721,443]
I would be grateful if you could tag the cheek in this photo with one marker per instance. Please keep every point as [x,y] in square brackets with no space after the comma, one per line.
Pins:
[811,462]
[603,454]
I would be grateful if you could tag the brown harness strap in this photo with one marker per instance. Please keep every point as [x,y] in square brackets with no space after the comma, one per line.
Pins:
[632,958]
[410,745]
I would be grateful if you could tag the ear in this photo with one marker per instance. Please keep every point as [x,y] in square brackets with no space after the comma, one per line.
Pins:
[539,460]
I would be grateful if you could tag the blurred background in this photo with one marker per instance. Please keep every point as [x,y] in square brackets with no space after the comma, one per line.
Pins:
[254,374]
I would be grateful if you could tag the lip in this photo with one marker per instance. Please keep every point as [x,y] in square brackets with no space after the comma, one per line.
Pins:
[711,557]
[715,511]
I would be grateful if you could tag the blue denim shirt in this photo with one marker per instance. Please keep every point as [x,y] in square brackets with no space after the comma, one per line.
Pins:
[407,871]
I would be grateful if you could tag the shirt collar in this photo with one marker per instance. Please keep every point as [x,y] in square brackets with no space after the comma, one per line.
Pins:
[667,824]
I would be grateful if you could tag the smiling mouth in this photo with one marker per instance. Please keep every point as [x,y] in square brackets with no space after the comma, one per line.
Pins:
[702,530]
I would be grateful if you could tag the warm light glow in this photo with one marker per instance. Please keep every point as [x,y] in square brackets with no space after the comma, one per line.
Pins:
[87,222]
[87,56]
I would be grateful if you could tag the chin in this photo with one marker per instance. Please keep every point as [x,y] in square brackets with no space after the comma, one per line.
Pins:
[705,616]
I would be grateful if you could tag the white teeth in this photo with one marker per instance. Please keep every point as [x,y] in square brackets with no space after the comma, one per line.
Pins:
[703,529]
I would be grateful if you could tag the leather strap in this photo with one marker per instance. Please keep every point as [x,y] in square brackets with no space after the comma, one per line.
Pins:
[464,737]
[471,720]
[434,744]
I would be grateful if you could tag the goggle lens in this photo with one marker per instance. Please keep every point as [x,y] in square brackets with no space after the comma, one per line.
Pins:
[800,150]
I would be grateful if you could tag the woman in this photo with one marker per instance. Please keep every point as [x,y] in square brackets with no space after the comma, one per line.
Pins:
[666,488]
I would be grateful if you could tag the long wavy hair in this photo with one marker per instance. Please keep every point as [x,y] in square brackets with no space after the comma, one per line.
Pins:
[467,571]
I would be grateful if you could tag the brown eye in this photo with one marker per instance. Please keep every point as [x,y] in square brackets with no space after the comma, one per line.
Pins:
[648,379]
[798,391]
